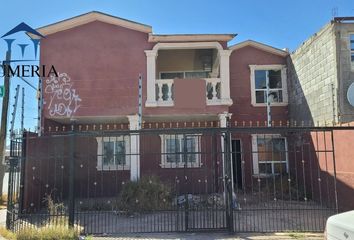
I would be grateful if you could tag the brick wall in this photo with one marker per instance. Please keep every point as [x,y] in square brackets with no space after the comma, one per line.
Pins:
[311,74]
[320,73]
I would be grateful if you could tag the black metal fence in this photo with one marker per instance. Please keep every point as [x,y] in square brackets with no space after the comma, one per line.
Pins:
[171,180]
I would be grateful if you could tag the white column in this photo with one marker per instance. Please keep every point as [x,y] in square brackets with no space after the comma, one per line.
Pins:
[150,78]
[223,123]
[225,76]
[134,148]
[223,118]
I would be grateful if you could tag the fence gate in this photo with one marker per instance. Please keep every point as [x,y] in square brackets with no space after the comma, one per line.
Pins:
[191,179]
[14,183]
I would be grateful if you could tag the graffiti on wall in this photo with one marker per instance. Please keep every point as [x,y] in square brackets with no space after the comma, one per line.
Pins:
[63,99]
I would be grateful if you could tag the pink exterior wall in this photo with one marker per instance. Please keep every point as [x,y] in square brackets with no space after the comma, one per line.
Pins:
[240,85]
[103,61]
[343,153]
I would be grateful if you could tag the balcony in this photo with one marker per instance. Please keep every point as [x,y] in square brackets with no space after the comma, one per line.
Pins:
[194,63]
[165,91]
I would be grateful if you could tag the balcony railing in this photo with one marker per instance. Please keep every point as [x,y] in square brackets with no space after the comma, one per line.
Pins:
[165,91]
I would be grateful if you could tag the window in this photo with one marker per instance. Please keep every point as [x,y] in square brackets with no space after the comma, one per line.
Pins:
[171,75]
[270,154]
[178,151]
[352,49]
[275,76]
[184,74]
[113,153]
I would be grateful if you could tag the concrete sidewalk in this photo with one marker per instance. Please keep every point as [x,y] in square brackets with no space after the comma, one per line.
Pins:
[214,236]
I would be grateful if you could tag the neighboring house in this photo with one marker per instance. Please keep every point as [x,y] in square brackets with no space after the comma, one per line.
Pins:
[320,72]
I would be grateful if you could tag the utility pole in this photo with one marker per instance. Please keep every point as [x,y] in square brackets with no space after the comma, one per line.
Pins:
[13,114]
[4,112]
[23,110]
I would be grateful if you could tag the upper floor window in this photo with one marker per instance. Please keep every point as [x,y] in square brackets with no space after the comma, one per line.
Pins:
[352,49]
[275,77]
[113,153]
[178,151]
[184,74]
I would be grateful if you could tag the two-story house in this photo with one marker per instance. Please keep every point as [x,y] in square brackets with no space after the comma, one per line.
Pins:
[128,103]
[188,79]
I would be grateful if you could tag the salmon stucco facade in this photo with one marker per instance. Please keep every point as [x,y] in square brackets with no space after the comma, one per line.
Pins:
[188,81]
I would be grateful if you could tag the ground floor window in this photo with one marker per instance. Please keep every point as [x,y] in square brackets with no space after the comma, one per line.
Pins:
[180,151]
[270,154]
[113,153]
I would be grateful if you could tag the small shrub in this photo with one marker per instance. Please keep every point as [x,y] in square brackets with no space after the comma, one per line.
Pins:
[48,233]
[148,194]
[54,208]
[57,212]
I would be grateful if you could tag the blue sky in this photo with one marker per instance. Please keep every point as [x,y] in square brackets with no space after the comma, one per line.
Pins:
[274,22]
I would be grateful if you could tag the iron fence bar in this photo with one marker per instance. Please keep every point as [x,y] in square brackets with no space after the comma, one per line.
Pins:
[186,203]
[228,182]
[72,180]
[334,173]
[326,162]
[22,171]
[9,214]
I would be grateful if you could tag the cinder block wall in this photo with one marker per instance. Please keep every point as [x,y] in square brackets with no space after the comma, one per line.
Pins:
[312,77]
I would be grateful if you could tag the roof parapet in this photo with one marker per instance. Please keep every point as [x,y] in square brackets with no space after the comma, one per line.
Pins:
[190,37]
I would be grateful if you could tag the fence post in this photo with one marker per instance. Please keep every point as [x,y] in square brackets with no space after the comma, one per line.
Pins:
[22,172]
[10,193]
[228,181]
[12,162]
[334,172]
[72,178]
[186,203]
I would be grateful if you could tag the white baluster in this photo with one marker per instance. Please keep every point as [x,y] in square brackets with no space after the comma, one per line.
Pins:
[160,91]
[214,90]
[169,91]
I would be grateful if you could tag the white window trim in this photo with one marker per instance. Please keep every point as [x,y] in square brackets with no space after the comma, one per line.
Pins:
[100,166]
[180,164]
[282,68]
[255,153]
